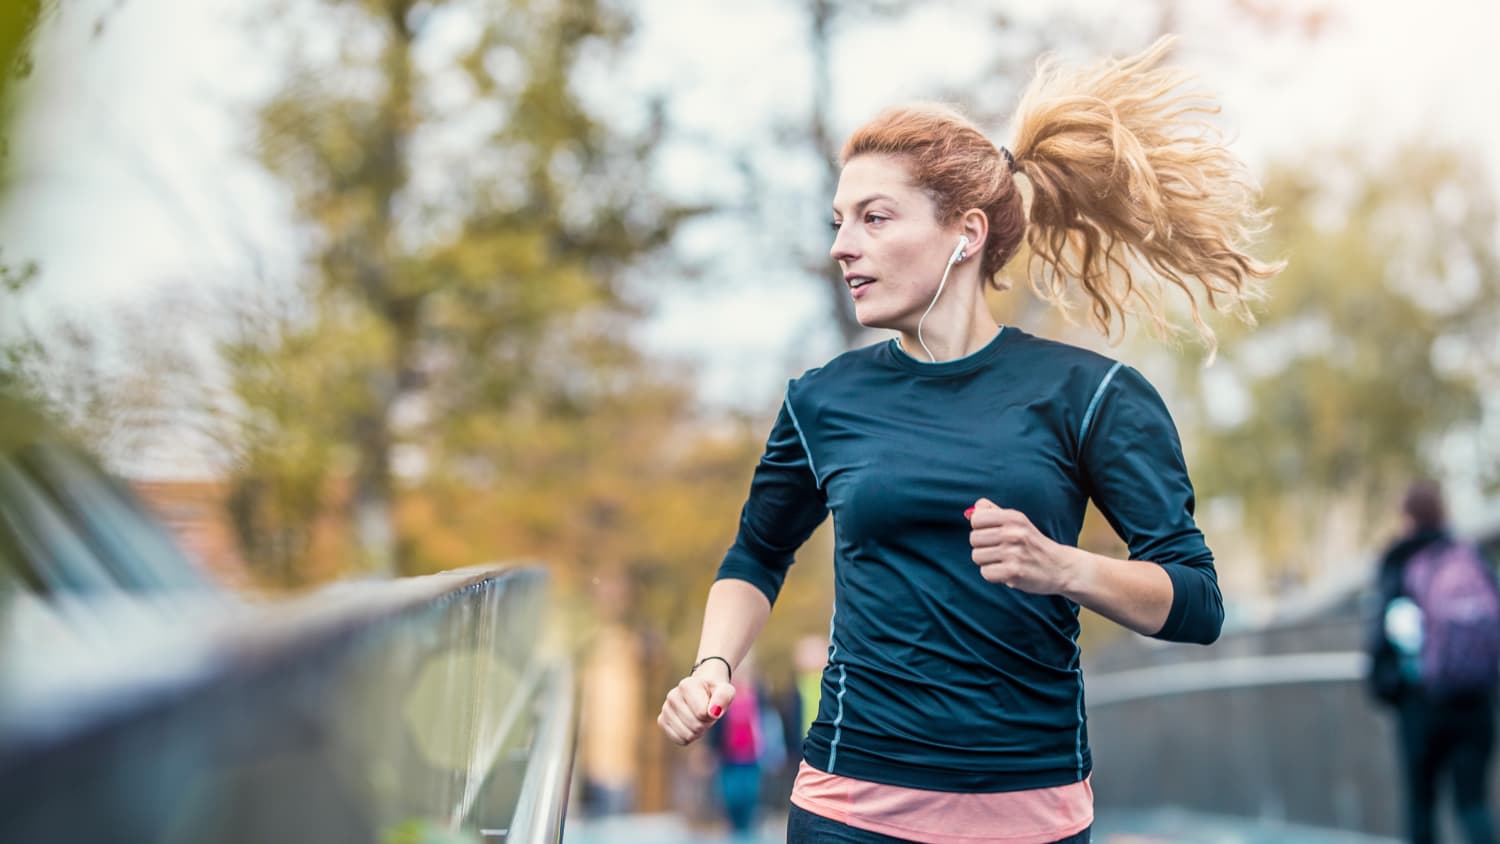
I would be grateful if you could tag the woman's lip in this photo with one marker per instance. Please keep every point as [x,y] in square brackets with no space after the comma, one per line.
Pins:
[859,291]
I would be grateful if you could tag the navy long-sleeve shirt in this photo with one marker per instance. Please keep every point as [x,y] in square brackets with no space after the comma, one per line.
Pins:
[937,678]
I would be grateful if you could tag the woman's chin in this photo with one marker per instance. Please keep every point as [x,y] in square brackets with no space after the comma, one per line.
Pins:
[872,317]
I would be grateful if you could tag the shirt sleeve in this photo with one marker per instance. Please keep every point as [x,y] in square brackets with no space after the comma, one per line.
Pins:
[1135,473]
[785,505]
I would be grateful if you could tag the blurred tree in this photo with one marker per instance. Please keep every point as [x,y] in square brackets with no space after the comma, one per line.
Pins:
[471,224]
[108,408]
[18,22]
[1375,348]
[18,350]
[289,378]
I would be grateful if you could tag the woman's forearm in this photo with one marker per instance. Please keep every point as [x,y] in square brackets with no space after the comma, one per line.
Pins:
[1135,594]
[734,616]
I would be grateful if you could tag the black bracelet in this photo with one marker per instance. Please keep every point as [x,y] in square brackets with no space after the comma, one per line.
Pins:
[727,666]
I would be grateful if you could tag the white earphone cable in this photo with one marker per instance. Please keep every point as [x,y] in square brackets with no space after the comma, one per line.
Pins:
[958,255]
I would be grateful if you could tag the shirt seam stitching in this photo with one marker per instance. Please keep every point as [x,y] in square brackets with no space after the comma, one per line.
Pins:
[1088,415]
[838,720]
[1078,736]
[797,426]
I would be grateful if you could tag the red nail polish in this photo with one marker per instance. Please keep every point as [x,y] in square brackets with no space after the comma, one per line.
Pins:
[716,711]
[969,513]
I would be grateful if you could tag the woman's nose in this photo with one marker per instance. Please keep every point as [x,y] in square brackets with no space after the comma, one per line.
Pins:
[843,248]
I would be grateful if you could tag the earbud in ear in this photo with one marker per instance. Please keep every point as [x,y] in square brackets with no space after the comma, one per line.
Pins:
[958,253]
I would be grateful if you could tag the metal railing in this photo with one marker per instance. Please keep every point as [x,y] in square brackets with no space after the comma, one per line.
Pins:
[415,710]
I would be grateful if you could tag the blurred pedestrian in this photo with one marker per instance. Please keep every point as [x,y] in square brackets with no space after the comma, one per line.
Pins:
[747,742]
[958,458]
[1435,660]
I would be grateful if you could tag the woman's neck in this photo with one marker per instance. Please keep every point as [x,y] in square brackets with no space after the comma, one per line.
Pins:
[959,330]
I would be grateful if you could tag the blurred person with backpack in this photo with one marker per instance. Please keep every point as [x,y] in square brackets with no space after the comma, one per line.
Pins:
[1435,659]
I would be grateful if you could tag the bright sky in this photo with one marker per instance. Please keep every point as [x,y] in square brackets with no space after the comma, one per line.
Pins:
[130,178]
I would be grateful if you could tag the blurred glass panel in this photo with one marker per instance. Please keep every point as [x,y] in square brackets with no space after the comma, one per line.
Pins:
[138,702]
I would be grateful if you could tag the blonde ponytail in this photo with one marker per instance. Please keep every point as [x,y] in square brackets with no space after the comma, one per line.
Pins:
[1132,187]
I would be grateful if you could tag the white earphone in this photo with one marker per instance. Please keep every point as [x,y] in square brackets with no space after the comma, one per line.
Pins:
[959,253]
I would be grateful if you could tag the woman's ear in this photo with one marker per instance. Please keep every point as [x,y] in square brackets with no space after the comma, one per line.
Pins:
[976,227]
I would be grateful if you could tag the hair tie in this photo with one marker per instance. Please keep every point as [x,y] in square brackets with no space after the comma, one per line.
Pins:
[1009,159]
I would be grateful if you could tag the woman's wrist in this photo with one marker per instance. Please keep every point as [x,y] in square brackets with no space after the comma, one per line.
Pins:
[712,667]
[1080,571]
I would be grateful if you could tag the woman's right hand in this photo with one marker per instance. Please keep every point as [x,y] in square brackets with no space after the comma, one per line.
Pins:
[695,704]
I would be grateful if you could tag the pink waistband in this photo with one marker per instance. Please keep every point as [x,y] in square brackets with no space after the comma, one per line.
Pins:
[1034,816]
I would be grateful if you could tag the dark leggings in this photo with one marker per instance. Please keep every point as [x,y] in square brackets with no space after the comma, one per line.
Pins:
[1455,737]
[804,827]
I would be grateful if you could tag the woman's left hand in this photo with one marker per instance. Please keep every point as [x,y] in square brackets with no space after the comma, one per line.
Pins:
[1010,550]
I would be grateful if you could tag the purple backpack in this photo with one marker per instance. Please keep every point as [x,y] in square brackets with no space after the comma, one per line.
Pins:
[1460,606]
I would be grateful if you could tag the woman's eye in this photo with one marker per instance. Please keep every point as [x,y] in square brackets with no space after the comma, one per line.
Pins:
[834,224]
[872,219]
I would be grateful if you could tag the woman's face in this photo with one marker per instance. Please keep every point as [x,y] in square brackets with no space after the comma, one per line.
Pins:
[888,242]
